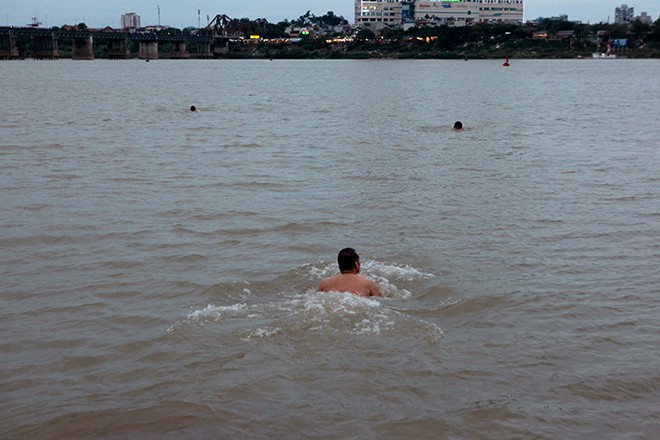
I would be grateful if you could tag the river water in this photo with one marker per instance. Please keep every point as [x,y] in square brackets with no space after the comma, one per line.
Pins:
[159,267]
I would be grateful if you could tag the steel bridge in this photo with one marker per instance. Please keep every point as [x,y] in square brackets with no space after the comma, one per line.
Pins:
[44,43]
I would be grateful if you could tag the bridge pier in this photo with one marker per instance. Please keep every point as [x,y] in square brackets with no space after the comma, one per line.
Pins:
[221,46]
[8,48]
[117,49]
[148,50]
[204,50]
[179,50]
[45,47]
[83,48]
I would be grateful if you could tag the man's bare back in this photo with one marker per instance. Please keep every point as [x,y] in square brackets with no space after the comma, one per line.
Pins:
[349,281]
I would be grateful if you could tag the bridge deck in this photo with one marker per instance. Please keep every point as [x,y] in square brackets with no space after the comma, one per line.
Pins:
[106,35]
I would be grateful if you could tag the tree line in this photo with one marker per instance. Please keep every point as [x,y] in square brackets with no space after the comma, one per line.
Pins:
[562,39]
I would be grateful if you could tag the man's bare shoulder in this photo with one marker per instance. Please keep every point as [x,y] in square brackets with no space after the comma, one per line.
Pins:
[328,283]
[374,290]
[324,286]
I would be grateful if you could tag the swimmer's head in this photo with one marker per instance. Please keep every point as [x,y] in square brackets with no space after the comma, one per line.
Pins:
[458,125]
[348,260]
[193,108]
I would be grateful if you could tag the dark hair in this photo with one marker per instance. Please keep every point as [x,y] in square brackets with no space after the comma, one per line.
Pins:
[193,108]
[458,124]
[347,258]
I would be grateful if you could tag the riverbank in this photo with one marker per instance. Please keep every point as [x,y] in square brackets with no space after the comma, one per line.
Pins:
[395,51]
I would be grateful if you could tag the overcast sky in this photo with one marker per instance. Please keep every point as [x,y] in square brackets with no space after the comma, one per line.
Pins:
[178,13]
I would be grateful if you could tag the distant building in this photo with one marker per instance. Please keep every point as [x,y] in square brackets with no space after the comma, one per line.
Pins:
[450,13]
[156,28]
[130,21]
[408,11]
[377,14]
[645,18]
[624,14]
[501,11]
[561,17]
[35,23]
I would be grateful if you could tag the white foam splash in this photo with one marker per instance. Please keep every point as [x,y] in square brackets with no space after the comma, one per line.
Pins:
[216,312]
[393,272]
[318,273]
[334,312]
[300,315]
[262,333]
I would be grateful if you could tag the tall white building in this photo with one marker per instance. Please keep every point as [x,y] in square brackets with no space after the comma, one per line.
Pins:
[130,20]
[501,11]
[377,14]
[445,12]
[624,14]
[645,18]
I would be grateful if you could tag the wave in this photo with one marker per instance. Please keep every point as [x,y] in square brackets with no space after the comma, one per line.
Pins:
[40,240]
[477,306]
[615,389]
[290,307]
[166,420]
[302,315]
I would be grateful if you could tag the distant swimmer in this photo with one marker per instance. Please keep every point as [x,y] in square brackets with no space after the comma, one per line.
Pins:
[458,126]
[193,108]
[348,281]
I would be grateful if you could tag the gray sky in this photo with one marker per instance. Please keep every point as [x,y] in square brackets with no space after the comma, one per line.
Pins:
[178,13]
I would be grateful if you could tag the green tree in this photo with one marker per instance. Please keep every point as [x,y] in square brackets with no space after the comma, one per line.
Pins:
[392,34]
[304,19]
[639,29]
[330,19]
[654,33]
[274,30]
[366,34]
